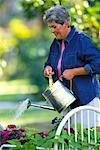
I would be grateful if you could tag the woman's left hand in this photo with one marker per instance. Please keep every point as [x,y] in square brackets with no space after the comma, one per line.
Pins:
[68,74]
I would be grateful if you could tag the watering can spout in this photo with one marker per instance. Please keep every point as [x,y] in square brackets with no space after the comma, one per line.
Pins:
[28,103]
[39,106]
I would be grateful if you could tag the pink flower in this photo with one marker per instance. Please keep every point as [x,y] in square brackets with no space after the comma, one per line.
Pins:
[5,135]
[11,133]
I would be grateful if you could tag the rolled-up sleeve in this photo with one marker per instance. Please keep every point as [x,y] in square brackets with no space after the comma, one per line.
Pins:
[88,69]
[91,57]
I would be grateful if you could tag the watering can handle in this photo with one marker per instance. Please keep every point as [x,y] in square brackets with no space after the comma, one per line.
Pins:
[50,80]
[70,85]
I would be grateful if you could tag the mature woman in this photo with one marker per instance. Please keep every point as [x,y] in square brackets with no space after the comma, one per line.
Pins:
[73,57]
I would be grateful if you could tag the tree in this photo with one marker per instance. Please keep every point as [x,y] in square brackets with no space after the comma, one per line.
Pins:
[84,13]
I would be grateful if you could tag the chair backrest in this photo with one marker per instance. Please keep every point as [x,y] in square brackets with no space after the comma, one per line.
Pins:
[7,146]
[78,119]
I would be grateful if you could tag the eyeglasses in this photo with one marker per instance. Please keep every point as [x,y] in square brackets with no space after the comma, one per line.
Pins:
[53,27]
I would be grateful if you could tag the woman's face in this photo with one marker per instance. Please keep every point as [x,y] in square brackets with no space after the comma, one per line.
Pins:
[60,31]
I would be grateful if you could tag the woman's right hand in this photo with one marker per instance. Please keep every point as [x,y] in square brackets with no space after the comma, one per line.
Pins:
[48,71]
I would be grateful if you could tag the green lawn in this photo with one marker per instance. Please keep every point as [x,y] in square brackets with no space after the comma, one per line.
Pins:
[17,91]
[33,117]
[16,97]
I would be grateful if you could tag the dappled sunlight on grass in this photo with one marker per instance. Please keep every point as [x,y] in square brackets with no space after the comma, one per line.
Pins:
[30,117]
[17,87]
[16,97]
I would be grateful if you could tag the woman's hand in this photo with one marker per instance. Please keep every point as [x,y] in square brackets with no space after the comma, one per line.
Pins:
[48,71]
[68,74]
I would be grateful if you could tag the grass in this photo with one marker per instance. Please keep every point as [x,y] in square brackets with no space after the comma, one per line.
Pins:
[33,117]
[16,97]
[17,86]
[15,90]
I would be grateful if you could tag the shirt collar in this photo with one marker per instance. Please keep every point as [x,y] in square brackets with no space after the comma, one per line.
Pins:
[71,34]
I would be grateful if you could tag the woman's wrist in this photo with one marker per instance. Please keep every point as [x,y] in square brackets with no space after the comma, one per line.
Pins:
[79,71]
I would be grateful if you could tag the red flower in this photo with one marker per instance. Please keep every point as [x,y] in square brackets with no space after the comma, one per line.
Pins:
[22,141]
[71,130]
[66,129]
[22,129]
[11,126]
[43,134]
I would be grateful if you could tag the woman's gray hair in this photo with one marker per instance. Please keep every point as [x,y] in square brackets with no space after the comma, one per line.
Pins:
[58,14]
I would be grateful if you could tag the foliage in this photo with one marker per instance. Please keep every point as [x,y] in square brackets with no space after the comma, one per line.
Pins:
[27,55]
[30,138]
[6,43]
[19,29]
[83,18]
[84,13]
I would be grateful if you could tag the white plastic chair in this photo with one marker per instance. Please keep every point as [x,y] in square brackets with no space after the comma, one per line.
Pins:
[66,121]
[7,146]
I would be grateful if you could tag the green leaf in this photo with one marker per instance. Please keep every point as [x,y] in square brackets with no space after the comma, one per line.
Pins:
[14,142]
[51,135]
[48,144]
[29,145]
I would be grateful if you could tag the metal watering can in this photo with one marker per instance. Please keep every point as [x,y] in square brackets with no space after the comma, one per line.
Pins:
[58,95]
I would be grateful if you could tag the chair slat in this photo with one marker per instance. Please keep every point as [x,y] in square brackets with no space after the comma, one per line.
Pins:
[83,115]
[63,146]
[95,135]
[88,120]
[69,126]
[82,136]
[75,122]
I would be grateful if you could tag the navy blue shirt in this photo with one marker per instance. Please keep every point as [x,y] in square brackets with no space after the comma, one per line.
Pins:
[79,52]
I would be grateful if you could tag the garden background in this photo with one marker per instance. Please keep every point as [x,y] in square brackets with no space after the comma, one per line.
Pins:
[24,46]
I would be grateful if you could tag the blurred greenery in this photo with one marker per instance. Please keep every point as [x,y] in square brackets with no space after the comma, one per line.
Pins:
[84,13]
[25,41]
[34,117]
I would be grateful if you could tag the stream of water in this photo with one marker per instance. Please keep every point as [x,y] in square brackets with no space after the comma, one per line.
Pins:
[21,108]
